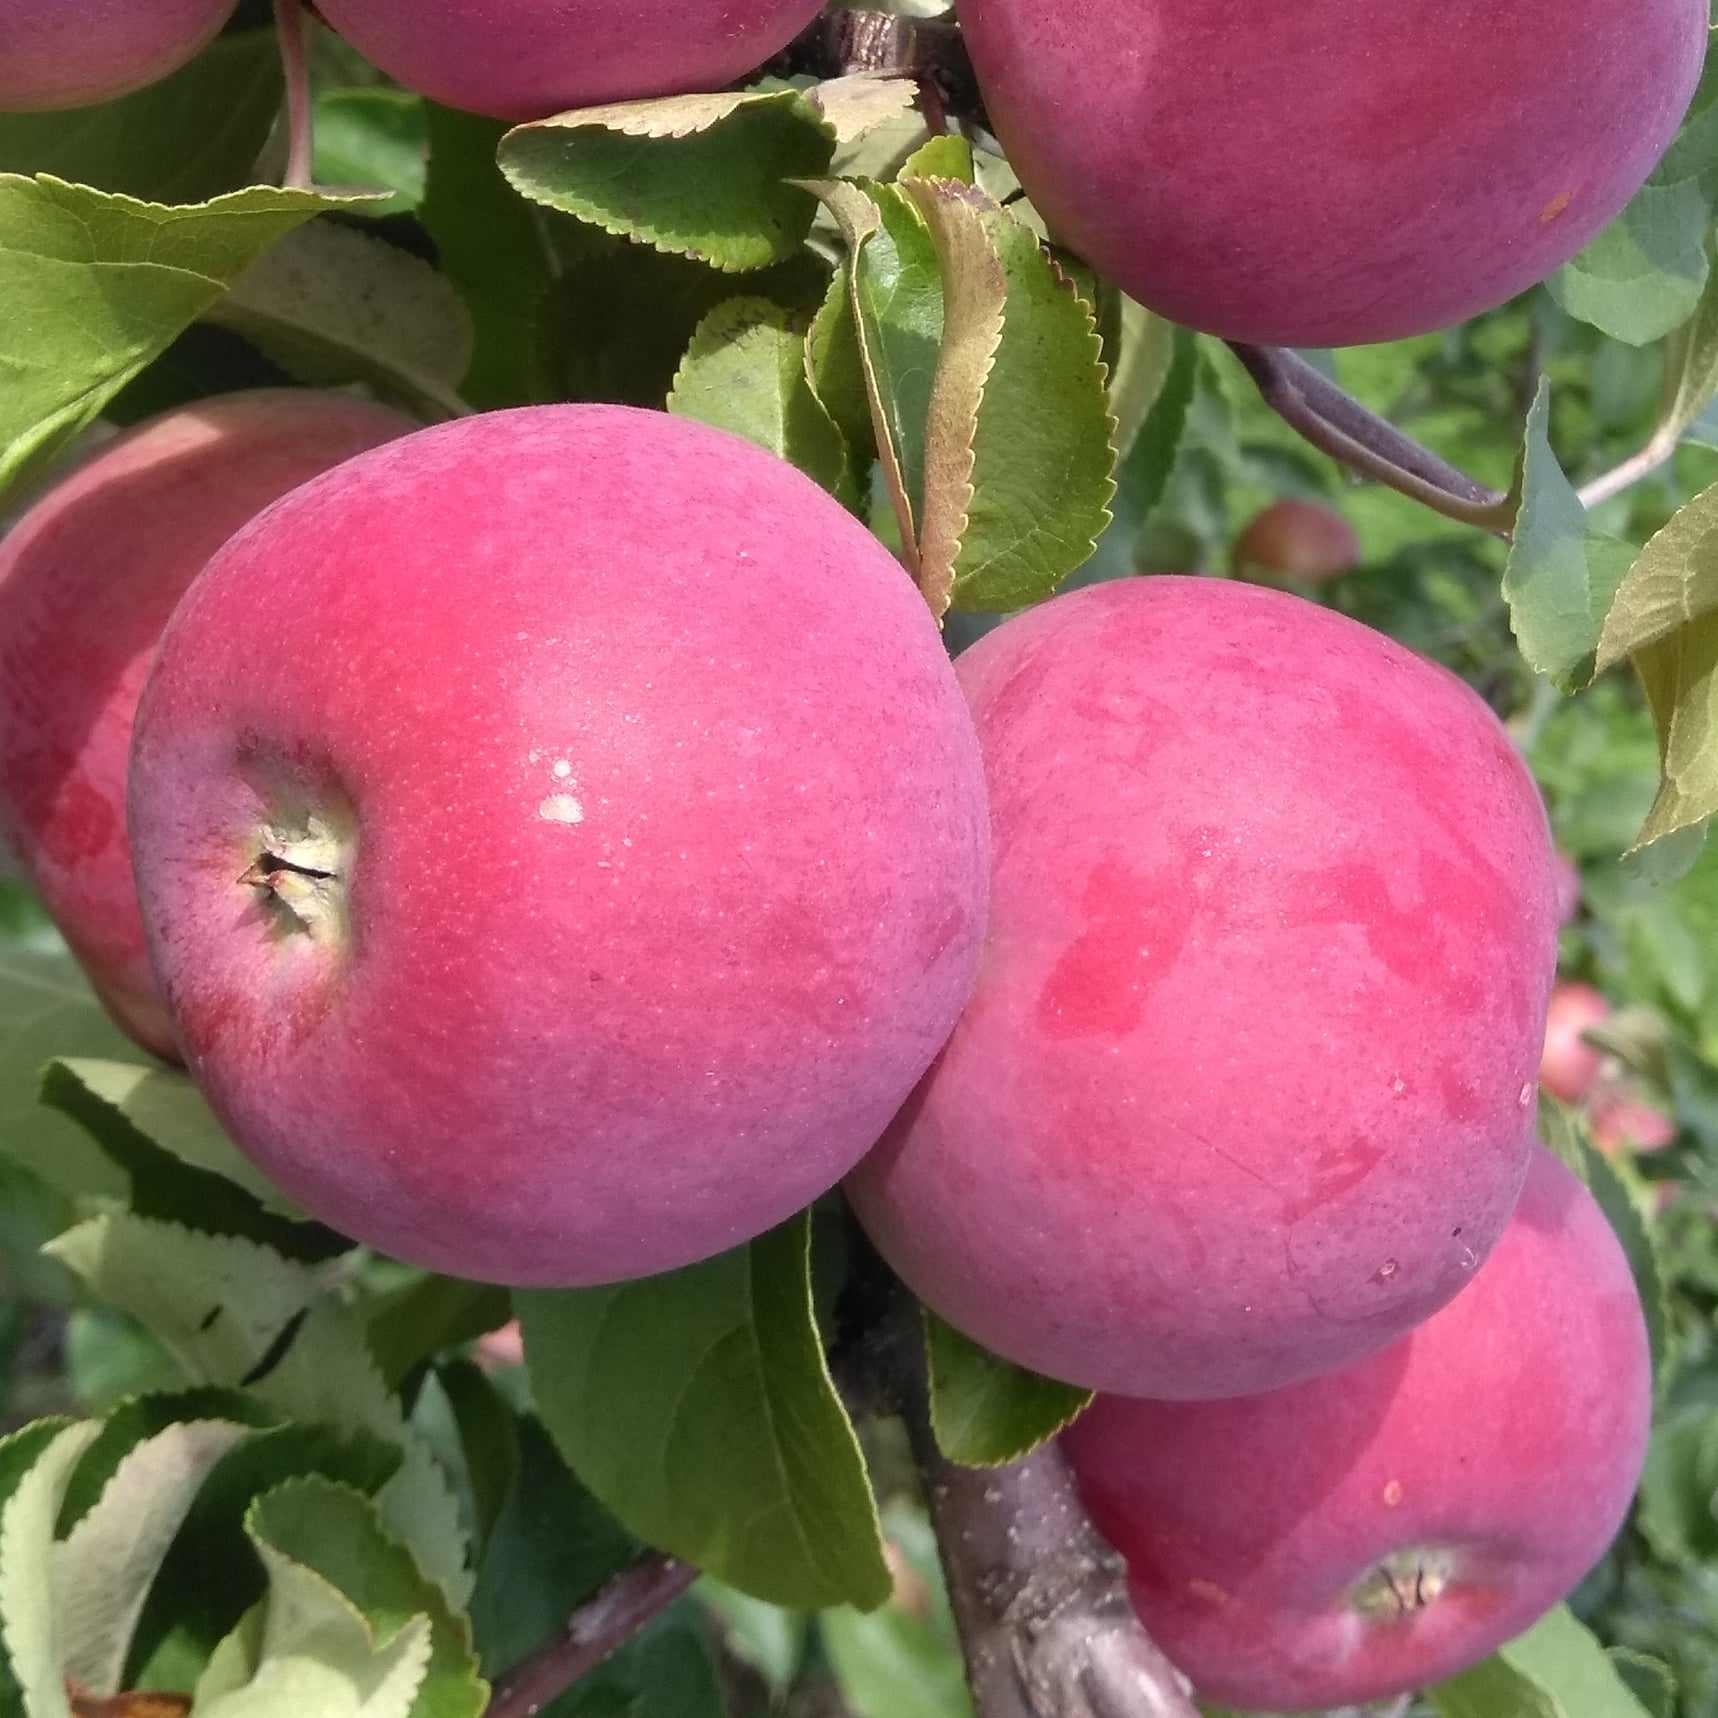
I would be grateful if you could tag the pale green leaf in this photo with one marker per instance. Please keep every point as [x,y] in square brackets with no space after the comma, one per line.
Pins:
[1555,1670]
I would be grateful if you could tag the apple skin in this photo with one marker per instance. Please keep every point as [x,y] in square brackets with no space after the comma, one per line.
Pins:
[656,827]
[1569,1065]
[1332,172]
[526,59]
[1294,539]
[88,577]
[72,53]
[1496,1448]
[1244,1090]
[1622,1122]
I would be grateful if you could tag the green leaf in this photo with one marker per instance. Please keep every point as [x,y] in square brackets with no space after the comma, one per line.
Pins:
[616,326]
[427,1314]
[47,1008]
[166,1106]
[492,247]
[1651,1682]
[330,304]
[377,136]
[103,1570]
[1018,458]
[187,138]
[698,1407]
[483,1422]
[118,1103]
[705,176]
[551,1546]
[1568,1138]
[1561,577]
[96,286]
[29,1627]
[902,1661]
[1556,1670]
[1679,1486]
[314,1648]
[1143,474]
[745,372]
[347,1599]
[947,155]
[1643,274]
[986,1411]
[895,283]
[233,1312]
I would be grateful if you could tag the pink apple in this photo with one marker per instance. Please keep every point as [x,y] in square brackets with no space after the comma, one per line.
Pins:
[562,840]
[88,577]
[1569,1065]
[1333,171]
[71,53]
[1245,1089]
[526,59]
[1624,1122]
[1383,1527]
[1294,539]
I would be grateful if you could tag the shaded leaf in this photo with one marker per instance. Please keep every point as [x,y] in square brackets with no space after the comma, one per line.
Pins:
[986,1411]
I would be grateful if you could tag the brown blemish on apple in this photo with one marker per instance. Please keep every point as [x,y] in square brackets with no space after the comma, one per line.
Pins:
[561,808]
[1555,207]
[1392,1494]
[1209,1591]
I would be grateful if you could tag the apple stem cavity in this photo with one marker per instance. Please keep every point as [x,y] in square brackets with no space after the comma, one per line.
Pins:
[302,878]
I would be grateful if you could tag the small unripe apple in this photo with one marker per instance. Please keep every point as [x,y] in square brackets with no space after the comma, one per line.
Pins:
[1569,1064]
[1245,1088]
[88,576]
[1294,539]
[71,53]
[526,59]
[1381,1528]
[1334,171]
[562,841]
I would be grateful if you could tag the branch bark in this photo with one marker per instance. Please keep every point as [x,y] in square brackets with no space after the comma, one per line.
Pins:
[292,26]
[1337,424]
[603,1622]
[1039,1598]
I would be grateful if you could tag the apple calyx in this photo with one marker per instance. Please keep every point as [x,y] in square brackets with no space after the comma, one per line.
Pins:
[300,879]
[1404,1583]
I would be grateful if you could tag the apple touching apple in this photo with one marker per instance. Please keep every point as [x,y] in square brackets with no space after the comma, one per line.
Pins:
[72,53]
[562,842]
[1380,1528]
[1332,172]
[526,59]
[88,576]
[1245,1088]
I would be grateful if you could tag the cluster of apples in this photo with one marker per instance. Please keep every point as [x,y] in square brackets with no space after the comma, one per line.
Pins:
[560,848]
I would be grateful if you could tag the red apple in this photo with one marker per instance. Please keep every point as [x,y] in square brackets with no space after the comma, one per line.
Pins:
[1333,171]
[88,577]
[525,59]
[1245,1088]
[1569,1064]
[562,841]
[70,53]
[1294,539]
[1376,1530]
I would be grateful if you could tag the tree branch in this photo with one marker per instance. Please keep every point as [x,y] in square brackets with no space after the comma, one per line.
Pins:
[929,50]
[1039,1598]
[1337,424]
[603,1622]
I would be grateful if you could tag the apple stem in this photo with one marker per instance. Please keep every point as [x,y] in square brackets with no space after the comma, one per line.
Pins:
[606,1620]
[292,26]
[1337,424]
